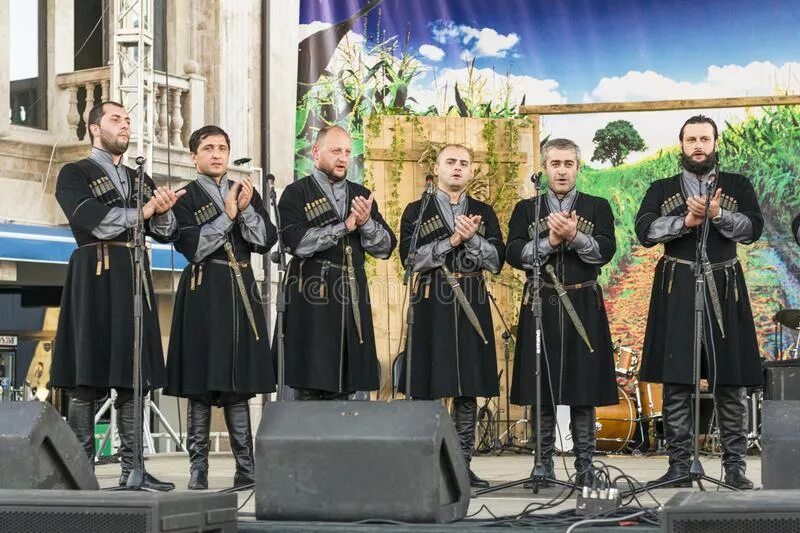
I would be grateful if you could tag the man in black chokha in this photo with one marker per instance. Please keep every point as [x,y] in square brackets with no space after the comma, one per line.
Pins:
[94,342]
[453,349]
[576,238]
[219,353]
[330,224]
[672,214]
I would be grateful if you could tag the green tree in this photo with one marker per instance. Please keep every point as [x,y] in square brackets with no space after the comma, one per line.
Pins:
[614,142]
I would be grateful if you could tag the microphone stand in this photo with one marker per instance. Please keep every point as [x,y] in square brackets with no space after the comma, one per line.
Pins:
[136,476]
[508,444]
[696,472]
[539,474]
[279,257]
[410,260]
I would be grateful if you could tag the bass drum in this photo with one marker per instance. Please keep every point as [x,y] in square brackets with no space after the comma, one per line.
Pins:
[616,424]
[651,398]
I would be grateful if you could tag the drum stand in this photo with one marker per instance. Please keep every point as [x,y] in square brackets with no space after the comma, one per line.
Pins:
[147,435]
[508,444]
[754,436]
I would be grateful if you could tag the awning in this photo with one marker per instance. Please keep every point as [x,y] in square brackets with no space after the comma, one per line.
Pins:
[48,244]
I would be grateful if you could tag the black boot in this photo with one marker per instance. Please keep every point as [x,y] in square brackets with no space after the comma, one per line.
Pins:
[548,445]
[198,420]
[237,418]
[125,413]
[732,421]
[583,436]
[464,411]
[81,420]
[677,434]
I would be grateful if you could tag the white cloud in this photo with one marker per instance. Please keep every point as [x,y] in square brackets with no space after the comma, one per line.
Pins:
[756,78]
[493,44]
[660,129]
[494,89]
[484,42]
[444,31]
[304,30]
[431,52]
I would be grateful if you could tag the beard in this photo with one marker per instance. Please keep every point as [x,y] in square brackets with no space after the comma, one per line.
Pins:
[328,171]
[113,145]
[699,167]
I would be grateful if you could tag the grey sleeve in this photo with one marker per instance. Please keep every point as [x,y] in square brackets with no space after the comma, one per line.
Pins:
[664,229]
[252,226]
[212,235]
[586,247]
[318,239]
[432,255]
[735,226]
[164,225]
[117,220]
[545,249]
[485,255]
[375,239]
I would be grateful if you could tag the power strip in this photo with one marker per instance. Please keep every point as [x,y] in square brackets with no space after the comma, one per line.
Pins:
[594,501]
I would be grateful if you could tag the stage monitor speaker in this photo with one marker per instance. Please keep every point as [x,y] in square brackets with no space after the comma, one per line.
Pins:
[38,450]
[349,461]
[121,512]
[780,444]
[782,380]
[775,511]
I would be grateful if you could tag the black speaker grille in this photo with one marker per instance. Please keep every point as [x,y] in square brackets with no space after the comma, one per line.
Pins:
[73,521]
[735,525]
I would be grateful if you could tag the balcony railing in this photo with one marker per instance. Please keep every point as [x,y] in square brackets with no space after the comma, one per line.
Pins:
[179,102]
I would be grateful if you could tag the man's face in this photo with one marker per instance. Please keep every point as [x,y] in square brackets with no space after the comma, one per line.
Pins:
[212,155]
[332,154]
[561,168]
[698,146]
[114,131]
[453,168]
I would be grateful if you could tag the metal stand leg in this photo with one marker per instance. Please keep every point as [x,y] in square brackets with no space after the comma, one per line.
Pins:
[146,433]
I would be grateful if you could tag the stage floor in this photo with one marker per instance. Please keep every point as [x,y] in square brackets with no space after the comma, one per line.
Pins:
[497,469]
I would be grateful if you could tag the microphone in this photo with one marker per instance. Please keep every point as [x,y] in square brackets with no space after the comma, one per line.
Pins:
[429,184]
[241,161]
[711,185]
[140,160]
[536,178]
[271,179]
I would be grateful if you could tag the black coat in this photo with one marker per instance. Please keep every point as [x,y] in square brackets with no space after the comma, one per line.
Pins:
[321,341]
[94,341]
[449,359]
[571,374]
[668,350]
[212,346]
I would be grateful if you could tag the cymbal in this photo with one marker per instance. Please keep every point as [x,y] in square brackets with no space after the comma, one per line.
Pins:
[788,317]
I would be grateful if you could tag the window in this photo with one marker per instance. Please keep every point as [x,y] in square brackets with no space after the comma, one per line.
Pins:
[27,62]
[159,29]
[91,34]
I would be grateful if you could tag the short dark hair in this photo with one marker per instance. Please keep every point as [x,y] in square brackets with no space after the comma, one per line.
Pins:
[96,115]
[321,134]
[455,145]
[206,131]
[698,119]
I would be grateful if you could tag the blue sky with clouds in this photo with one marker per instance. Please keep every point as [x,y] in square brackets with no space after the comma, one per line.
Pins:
[573,51]
[578,42]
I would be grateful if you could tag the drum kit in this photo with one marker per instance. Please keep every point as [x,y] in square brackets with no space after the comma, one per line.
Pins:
[622,426]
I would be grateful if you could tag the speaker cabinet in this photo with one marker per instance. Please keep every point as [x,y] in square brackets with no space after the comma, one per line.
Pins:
[347,461]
